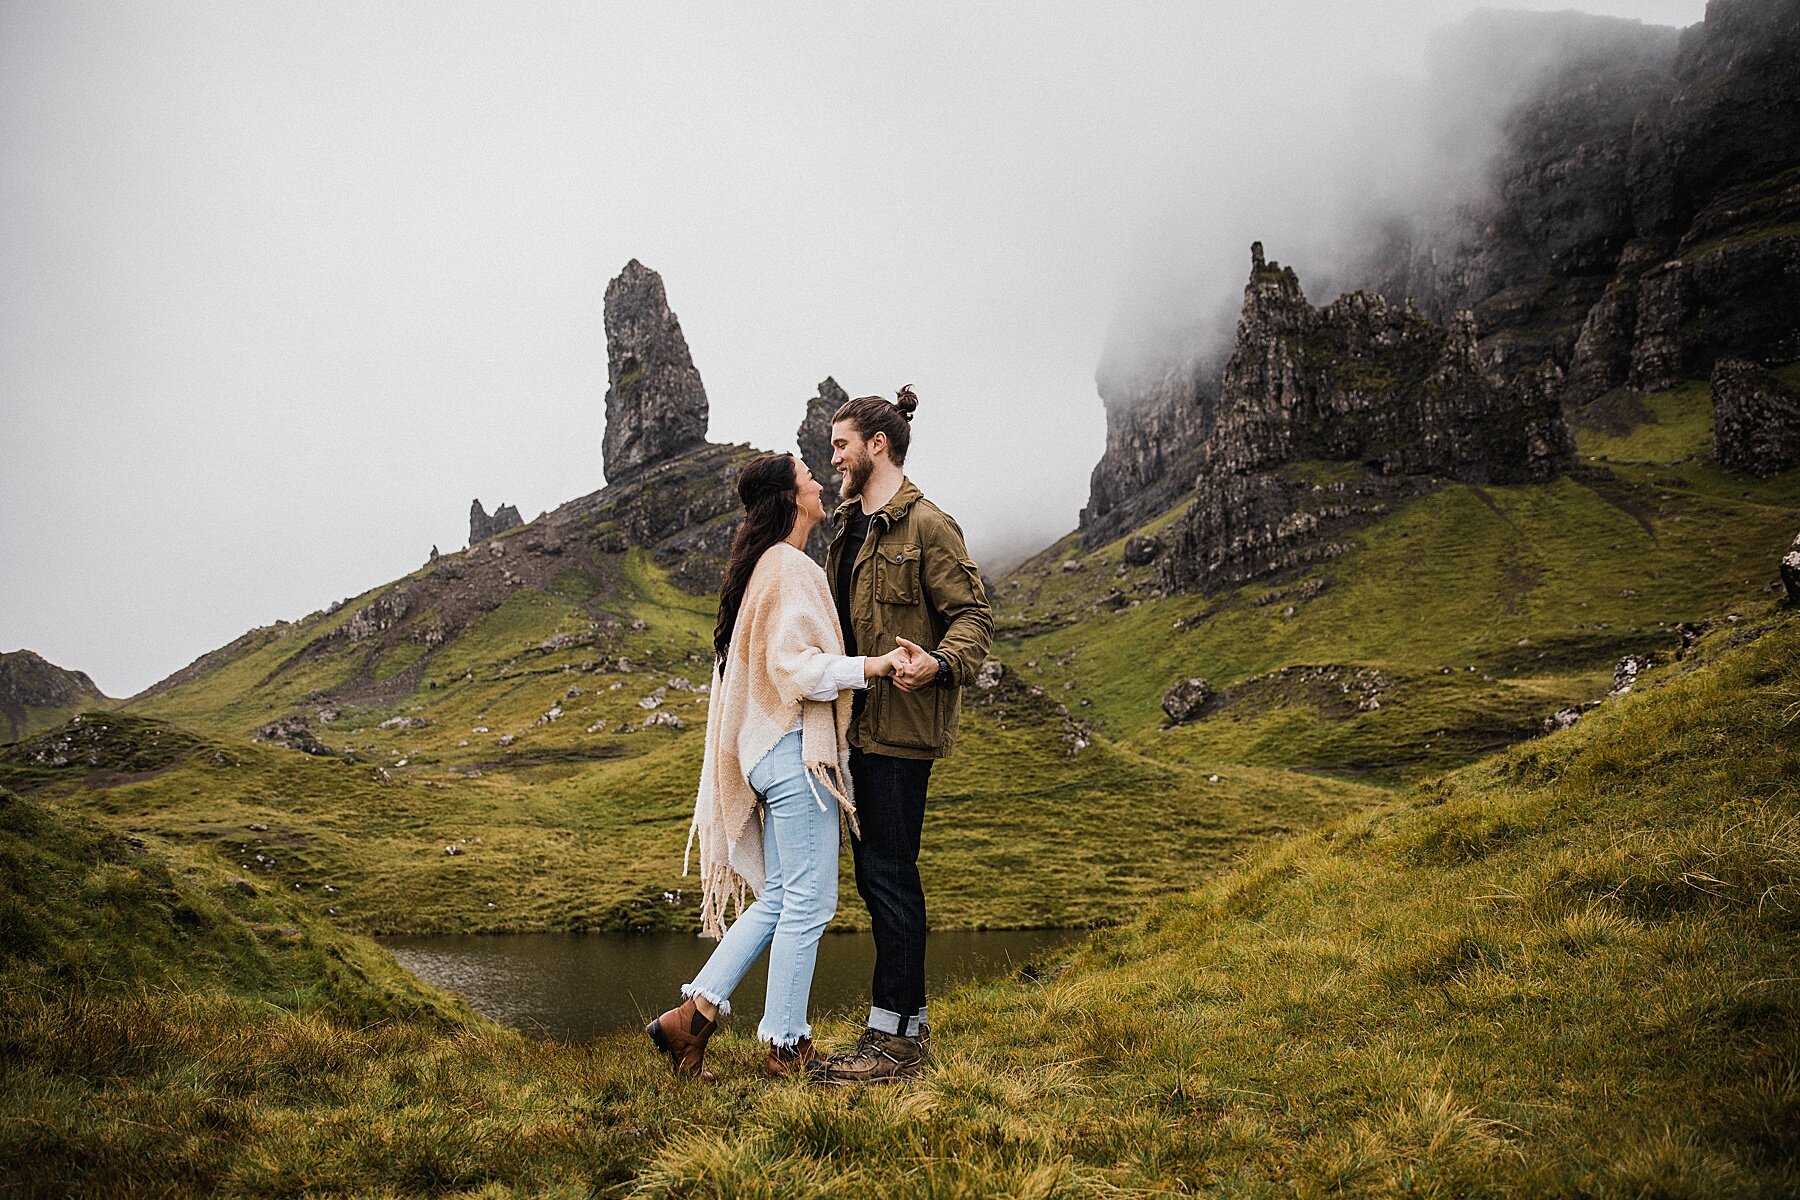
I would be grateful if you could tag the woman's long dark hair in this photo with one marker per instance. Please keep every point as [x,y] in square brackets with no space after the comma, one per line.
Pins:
[769,486]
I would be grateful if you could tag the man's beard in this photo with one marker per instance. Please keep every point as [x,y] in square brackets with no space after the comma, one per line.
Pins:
[856,476]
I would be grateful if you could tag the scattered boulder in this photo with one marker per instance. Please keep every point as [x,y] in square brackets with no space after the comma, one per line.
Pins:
[404,723]
[1562,718]
[991,673]
[1626,672]
[292,733]
[1184,701]
[1790,572]
[664,718]
[1142,551]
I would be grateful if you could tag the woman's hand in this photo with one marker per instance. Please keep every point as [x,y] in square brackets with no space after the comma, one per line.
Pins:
[876,666]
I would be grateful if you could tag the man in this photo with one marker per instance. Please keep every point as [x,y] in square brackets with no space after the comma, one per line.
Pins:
[900,574]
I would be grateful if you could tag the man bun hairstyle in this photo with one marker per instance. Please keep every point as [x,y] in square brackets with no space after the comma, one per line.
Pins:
[873,414]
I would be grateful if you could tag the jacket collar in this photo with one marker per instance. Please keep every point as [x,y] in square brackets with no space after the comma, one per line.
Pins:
[896,508]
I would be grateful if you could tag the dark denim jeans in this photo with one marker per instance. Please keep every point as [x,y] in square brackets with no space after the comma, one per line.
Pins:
[890,808]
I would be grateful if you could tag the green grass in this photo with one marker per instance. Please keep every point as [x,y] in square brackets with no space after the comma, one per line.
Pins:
[1676,427]
[556,838]
[1569,969]
[1539,588]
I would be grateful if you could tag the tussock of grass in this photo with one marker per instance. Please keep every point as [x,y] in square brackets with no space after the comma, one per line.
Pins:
[1567,970]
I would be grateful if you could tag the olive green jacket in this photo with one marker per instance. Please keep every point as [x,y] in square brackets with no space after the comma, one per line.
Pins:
[913,579]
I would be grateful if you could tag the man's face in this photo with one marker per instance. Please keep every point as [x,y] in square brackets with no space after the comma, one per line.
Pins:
[850,455]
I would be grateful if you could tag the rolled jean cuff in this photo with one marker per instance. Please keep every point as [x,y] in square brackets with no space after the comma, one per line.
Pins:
[890,1022]
[690,990]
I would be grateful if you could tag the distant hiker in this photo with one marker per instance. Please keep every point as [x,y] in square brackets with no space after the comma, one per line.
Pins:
[776,747]
[899,569]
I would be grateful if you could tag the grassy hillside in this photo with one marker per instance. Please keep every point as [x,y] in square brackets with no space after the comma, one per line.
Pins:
[1018,837]
[1468,615]
[519,736]
[1567,970]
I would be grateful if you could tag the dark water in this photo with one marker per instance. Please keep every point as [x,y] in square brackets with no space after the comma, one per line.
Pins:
[569,986]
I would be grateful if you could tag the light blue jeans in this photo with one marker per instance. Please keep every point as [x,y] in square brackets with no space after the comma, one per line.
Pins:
[798,900]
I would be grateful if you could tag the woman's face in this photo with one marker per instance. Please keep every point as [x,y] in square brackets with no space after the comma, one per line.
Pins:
[811,498]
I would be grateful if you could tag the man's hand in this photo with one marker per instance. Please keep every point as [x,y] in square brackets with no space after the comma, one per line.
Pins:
[919,669]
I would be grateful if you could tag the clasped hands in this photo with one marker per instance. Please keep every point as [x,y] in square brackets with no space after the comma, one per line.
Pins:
[911,666]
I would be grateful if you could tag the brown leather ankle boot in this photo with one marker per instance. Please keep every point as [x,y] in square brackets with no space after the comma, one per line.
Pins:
[800,1060]
[682,1034]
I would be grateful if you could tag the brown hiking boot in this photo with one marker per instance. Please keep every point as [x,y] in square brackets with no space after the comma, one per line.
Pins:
[801,1060]
[880,1058]
[682,1034]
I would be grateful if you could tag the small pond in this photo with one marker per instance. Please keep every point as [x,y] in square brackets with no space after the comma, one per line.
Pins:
[572,986]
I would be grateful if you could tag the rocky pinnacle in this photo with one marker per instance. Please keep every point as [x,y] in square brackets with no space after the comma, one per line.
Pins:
[814,436]
[655,403]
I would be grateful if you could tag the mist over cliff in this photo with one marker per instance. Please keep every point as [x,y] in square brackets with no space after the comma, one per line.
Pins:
[1395,156]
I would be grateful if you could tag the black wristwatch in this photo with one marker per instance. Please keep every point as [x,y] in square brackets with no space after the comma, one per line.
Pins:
[944,678]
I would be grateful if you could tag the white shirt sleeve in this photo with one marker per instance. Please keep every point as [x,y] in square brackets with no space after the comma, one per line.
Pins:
[845,672]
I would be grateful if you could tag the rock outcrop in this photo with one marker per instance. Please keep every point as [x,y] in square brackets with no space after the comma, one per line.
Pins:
[1365,380]
[1756,419]
[483,527]
[814,436]
[1401,399]
[655,403]
[814,440]
[1186,699]
[36,694]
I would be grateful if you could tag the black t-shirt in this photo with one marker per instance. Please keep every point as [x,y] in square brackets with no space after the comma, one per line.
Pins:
[856,532]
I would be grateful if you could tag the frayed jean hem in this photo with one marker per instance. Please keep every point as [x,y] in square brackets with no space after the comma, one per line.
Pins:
[689,991]
[787,1042]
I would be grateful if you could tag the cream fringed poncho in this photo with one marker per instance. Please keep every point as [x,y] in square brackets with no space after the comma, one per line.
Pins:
[786,638]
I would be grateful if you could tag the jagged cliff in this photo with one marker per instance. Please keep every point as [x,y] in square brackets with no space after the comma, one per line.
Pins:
[1642,216]
[1155,422]
[35,694]
[1360,381]
[1639,224]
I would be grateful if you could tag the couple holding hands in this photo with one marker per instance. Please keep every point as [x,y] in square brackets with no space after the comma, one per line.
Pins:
[807,722]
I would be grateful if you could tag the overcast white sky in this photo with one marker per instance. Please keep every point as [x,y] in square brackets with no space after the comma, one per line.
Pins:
[287,284]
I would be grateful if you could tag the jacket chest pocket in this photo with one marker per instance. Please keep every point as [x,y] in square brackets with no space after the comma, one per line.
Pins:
[897,574]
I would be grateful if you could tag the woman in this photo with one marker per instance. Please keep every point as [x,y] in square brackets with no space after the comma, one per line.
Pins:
[775,742]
